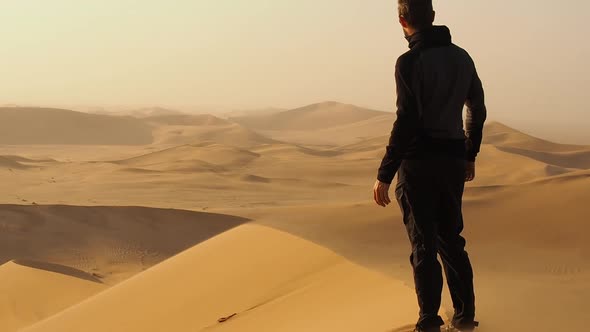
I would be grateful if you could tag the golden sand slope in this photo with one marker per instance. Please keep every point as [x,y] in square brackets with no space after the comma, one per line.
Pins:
[32,291]
[272,281]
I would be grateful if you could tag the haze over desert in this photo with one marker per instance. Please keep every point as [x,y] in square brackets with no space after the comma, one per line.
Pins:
[167,221]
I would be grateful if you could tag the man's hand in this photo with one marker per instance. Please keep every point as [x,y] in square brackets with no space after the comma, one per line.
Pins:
[470,171]
[381,193]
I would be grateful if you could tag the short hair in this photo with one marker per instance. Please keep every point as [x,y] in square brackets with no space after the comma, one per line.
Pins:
[418,13]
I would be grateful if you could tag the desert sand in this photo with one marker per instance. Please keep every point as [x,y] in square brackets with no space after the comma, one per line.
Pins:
[157,220]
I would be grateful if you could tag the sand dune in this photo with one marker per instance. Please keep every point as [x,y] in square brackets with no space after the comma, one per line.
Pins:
[250,112]
[524,239]
[499,134]
[569,159]
[112,242]
[289,151]
[496,166]
[316,255]
[204,156]
[11,163]
[310,279]
[271,280]
[557,157]
[311,117]
[150,112]
[31,291]
[28,160]
[187,120]
[225,133]
[346,134]
[21,126]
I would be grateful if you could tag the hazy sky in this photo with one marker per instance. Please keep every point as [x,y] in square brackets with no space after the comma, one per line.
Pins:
[532,55]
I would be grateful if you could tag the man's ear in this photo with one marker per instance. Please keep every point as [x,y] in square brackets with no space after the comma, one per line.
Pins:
[403,22]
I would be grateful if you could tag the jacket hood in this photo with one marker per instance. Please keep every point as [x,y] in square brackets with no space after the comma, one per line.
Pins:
[436,35]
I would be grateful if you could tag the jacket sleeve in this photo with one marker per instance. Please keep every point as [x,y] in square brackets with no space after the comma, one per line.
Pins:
[406,125]
[476,116]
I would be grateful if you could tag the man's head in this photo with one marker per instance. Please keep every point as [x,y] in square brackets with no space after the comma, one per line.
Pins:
[415,15]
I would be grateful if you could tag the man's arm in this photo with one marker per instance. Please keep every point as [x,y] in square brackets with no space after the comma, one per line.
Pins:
[406,124]
[476,116]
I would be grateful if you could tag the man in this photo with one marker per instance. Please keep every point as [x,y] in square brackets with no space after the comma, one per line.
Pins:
[433,156]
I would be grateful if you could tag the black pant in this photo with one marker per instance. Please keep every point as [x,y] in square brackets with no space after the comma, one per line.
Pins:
[429,193]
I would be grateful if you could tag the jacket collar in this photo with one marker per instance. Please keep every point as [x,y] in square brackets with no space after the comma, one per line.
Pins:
[436,35]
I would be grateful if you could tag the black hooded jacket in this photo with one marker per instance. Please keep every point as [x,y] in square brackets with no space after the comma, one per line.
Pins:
[435,79]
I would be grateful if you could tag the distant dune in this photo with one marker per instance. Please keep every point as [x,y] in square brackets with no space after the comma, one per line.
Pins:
[16,162]
[11,163]
[500,134]
[350,133]
[193,158]
[513,141]
[20,126]
[138,113]
[250,112]
[148,112]
[210,130]
[311,117]
[187,120]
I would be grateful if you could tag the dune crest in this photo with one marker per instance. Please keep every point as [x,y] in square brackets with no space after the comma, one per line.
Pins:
[56,268]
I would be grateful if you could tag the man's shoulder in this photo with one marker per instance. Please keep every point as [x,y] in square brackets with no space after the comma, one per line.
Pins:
[461,51]
[408,59]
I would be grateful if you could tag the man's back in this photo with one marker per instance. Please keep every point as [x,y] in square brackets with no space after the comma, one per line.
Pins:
[435,79]
[447,74]
[443,79]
